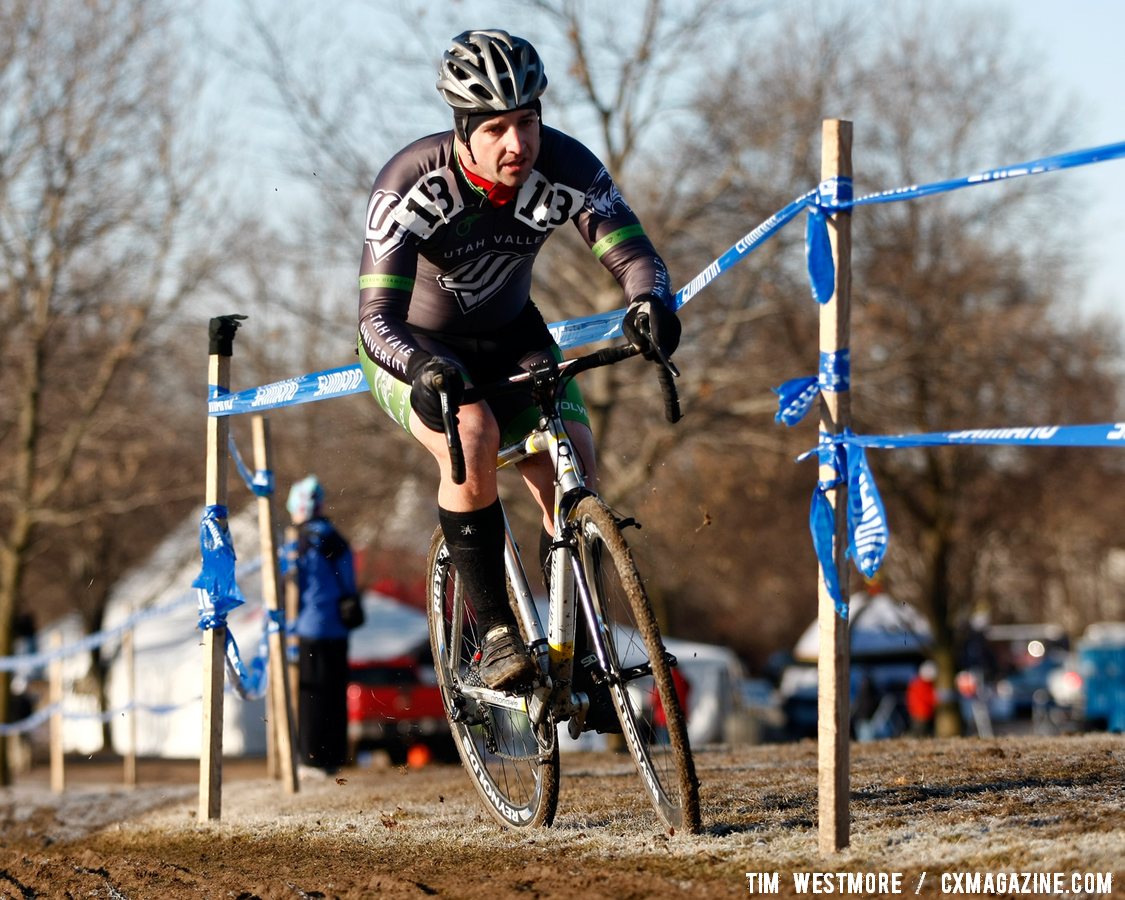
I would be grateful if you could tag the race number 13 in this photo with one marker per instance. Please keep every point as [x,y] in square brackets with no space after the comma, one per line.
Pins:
[545,206]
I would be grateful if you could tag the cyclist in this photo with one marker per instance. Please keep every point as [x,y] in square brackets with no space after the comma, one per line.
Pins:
[454,223]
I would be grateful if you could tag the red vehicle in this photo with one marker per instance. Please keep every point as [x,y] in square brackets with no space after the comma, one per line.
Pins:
[394,705]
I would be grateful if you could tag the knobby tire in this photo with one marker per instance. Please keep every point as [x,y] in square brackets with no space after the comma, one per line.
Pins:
[659,748]
[519,792]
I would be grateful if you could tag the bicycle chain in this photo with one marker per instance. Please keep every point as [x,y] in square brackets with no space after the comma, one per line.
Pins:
[471,678]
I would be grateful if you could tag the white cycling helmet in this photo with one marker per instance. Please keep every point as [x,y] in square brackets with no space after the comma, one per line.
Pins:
[488,72]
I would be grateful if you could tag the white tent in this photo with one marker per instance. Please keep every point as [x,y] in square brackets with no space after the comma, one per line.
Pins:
[169,657]
[878,626]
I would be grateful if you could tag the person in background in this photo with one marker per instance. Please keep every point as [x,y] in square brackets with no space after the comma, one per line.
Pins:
[921,700]
[324,572]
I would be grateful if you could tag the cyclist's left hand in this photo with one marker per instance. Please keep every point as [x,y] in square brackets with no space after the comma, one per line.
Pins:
[663,324]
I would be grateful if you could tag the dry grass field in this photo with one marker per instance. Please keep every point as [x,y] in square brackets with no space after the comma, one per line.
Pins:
[919,809]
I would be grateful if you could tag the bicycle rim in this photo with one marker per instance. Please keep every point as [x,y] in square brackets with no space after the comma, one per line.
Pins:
[641,680]
[514,767]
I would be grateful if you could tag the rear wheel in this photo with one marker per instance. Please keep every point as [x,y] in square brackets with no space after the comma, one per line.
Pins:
[513,765]
[639,670]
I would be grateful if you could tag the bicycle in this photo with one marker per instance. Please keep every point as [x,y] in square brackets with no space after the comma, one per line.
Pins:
[508,741]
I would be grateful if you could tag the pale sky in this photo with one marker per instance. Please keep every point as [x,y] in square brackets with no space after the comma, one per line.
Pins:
[1083,44]
[1083,51]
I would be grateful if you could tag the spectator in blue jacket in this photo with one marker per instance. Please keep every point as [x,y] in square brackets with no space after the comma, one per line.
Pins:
[324,572]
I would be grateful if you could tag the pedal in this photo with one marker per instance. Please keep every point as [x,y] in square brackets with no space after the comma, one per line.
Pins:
[537,704]
[578,721]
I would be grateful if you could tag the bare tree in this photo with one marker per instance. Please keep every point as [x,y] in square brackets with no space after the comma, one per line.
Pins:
[106,226]
[956,302]
[708,115]
[617,83]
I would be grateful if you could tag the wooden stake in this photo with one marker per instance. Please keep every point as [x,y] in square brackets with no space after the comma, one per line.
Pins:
[215,639]
[129,658]
[278,707]
[835,416]
[55,692]
[292,607]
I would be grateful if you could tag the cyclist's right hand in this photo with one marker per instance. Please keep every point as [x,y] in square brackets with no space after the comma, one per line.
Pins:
[663,327]
[424,394]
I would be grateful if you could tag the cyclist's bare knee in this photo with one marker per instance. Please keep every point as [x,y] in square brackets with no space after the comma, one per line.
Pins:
[540,480]
[539,475]
[480,441]
[583,440]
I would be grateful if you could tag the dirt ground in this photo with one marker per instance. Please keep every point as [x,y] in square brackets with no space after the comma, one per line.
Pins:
[920,810]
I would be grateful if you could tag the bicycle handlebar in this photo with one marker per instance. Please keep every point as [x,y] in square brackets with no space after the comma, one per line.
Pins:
[570,368]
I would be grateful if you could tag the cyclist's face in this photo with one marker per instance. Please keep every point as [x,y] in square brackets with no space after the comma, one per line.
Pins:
[505,147]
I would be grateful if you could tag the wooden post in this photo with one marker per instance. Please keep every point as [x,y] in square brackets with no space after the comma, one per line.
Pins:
[222,329]
[278,706]
[129,658]
[55,692]
[835,416]
[292,607]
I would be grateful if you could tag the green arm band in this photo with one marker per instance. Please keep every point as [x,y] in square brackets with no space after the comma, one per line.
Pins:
[616,237]
[388,281]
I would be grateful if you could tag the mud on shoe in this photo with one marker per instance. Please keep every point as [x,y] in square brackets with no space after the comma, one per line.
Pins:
[504,661]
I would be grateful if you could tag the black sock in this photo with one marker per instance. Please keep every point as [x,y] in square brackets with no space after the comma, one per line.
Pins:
[476,545]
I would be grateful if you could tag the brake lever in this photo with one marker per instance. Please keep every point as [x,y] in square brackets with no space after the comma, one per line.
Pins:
[452,435]
[645,328]
[666,362]
[666,373]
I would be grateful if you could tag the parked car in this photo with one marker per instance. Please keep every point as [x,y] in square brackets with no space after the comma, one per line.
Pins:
[394,705]
[1091,682]
[1023,694]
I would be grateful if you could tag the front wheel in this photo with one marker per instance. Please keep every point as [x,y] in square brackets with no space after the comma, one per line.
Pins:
[513,765]
[648,692]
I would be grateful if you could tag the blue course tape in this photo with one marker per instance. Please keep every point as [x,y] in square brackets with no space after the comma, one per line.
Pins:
[828,197]
[338,382]
[868,532]
[40,716]
[260,481]
[29,662]
[218,588]
[570,333]
[1035,167]
[836,196]
[248,679]
[1107,434]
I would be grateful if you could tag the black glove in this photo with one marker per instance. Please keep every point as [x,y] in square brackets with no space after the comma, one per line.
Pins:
[424,397]
[663,325]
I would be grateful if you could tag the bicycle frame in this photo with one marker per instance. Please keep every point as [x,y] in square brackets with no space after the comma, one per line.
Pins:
[507,739]
[551,646]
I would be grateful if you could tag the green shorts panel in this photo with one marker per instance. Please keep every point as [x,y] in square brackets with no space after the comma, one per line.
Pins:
[393,397]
